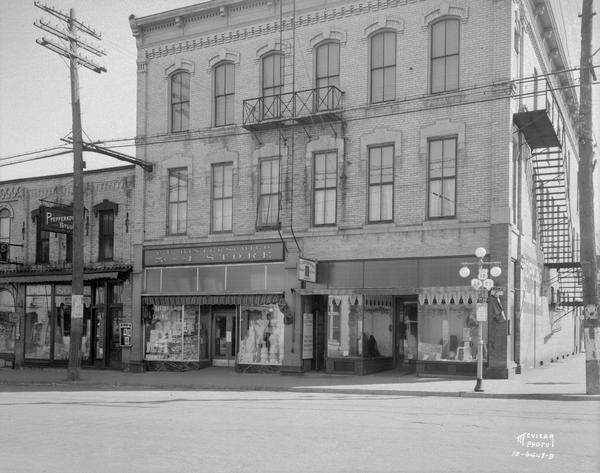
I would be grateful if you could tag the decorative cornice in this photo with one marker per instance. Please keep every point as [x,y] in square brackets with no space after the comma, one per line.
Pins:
[241,34]
[8,194]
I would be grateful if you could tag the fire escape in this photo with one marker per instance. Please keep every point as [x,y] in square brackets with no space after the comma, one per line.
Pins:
[542,124]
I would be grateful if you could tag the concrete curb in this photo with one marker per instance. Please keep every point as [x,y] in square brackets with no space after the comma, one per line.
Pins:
[319,390]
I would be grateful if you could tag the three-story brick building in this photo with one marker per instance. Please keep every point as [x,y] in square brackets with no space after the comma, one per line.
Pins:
[323,169]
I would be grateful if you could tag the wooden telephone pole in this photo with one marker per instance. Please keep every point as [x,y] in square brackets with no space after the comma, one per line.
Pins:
[586,207]
[69,47]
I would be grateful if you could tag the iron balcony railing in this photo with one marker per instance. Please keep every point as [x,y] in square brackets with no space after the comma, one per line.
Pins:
[293,105]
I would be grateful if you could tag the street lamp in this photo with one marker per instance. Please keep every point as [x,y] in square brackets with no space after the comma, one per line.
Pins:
[482,284]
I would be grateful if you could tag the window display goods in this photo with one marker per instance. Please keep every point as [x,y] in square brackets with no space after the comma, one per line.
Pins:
[171,333]
[261,336]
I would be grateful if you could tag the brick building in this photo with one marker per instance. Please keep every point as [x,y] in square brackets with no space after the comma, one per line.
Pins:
[324,169]
[35,268]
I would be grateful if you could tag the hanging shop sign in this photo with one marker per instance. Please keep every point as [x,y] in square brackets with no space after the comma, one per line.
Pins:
[307,337]
[57,219]
[244,253]
[125,335]
[307,270]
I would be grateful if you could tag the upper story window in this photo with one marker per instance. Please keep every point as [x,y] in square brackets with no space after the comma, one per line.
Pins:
[383,67]
[444,55]
[222,197]
[268,199]
[42,244]
[106,235]
[180,101]
[272,85]
[224,88]
[327,74]
[442,177]
[69,247]
[381,183]
[325,188]
[178,196]
[4,235]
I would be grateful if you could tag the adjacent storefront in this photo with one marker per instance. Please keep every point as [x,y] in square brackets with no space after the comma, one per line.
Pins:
[214,306]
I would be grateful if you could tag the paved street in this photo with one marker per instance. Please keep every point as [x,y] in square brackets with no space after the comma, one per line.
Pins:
[62,430]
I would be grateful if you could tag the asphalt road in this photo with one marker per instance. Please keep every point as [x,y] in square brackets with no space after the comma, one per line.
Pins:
[210,431]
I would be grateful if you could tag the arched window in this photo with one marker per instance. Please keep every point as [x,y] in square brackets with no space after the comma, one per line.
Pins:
[4,235]
[444,55]
[180,101]
[383,67]
[224,90]
[327,73]
[272,84]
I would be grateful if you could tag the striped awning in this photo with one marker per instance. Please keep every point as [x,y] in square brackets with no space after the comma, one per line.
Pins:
[215,299]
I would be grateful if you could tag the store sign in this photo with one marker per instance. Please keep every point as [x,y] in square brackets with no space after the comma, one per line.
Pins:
[307,337]
[125,335]
[245,253]
[307,270]
[57,219]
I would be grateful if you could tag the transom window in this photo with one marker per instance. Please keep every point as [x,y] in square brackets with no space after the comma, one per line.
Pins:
[224,88]
[272,85]
[222,197]
[383,67]
[106,234]
[381,183]
[325,188]
[327,74]
[444,55]
[442,177]
[180,102]
[178,196]
[268,200]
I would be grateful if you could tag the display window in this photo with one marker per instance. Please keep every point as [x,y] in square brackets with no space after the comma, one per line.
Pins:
[38,316]
[172,333]
[261,335]
[8,322]
[448,332]
[359,326]
[62,322]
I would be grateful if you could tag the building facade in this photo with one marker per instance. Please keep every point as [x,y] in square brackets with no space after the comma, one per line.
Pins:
[322,170]
[36,218]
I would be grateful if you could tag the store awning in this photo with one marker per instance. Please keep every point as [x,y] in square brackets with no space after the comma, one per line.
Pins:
[358,291]
[215,299]
[447,295]
[43,278]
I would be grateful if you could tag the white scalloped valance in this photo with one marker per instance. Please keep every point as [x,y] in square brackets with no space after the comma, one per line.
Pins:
[447,295]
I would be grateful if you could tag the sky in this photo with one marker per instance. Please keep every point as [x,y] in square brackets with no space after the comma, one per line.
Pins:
[35,100]
[35,84]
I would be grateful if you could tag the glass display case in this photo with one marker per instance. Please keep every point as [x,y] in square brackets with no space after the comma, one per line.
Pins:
[261,336]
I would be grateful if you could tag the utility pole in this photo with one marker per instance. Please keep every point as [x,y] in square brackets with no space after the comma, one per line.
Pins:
[586,207]
[69,48]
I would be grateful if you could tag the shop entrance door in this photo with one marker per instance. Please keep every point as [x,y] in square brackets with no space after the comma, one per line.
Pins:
[224,336]
[405,354]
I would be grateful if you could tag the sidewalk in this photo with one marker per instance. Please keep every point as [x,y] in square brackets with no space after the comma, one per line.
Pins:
[563,380]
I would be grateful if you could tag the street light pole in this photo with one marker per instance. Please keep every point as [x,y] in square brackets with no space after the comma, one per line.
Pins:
[482,284]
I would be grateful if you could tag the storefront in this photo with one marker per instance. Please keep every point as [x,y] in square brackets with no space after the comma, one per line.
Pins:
[392,314]
[40,333]
[215,306]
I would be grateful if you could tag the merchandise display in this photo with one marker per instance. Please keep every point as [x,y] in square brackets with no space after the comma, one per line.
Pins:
[261,336]
[448,333]
[171,333]
[359,326]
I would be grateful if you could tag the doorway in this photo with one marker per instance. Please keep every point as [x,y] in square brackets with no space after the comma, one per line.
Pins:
[224,335]
[406,334]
